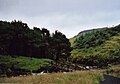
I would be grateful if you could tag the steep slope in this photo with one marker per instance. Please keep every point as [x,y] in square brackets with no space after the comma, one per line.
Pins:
[73,39]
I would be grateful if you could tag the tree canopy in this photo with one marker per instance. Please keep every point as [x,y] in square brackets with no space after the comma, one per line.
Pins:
[16,38]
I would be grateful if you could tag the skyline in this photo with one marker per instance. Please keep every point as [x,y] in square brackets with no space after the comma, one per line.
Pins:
[67,16]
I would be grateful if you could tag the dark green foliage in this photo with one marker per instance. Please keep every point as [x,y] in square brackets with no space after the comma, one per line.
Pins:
[17,39]
[61,46]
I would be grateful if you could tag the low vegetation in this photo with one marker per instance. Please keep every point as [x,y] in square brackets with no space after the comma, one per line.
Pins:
[81,77]
[78,77]
[14,65]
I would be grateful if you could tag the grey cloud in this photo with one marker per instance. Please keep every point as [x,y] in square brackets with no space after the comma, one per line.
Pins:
[64,15]
[38,7]
[7,5]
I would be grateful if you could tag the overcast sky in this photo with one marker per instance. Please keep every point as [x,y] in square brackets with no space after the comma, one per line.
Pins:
[68,16]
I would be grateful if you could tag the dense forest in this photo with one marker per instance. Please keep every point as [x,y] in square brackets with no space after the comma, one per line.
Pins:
[17,39]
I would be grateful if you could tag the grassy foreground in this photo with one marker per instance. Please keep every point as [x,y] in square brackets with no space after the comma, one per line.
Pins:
[78,77]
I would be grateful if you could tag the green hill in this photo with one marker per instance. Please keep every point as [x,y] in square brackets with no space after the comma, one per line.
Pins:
[100,47]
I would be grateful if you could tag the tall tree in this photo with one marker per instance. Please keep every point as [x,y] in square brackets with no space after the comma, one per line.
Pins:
[61,46]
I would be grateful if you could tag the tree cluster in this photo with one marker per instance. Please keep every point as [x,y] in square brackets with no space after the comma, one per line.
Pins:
[16,38]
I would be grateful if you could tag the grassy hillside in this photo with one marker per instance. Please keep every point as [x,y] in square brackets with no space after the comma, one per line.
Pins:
[106,51]
[98,48]
[72,40]
[9,64]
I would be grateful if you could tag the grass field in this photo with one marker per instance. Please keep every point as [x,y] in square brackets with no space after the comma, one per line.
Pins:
[78,77]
